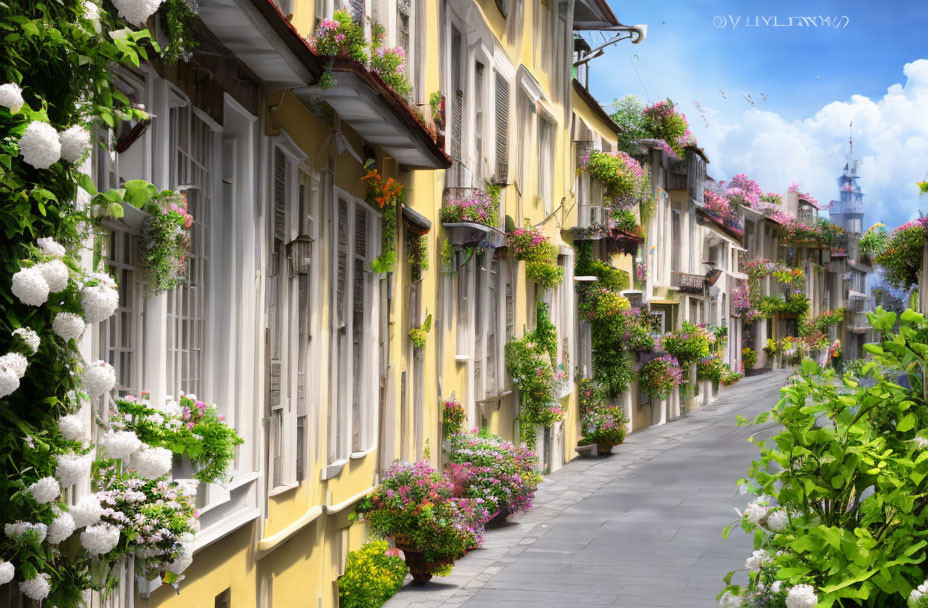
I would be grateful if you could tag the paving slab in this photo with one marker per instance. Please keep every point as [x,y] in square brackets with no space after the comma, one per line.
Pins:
[639,529]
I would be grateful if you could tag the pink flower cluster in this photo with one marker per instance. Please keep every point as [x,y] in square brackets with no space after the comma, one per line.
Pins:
[180,211]
[477,209]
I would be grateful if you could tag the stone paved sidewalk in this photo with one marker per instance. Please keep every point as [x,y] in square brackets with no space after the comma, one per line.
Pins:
[639,529]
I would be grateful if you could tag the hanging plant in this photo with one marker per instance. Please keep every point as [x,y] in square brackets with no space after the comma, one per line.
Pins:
[387,194]
[339,37]
[624,181]
[452,418]
[417,252]
[660,376]
[539,254]
[166,243]
[418,333]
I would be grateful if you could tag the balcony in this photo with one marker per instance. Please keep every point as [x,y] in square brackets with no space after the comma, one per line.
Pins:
[688,283]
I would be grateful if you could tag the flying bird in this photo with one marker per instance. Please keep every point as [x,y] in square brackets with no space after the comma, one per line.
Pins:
[750,100]
[764,97]
[723,94]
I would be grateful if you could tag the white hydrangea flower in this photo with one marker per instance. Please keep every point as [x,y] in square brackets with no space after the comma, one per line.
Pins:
[39,145]
[36,589]
[72,427]
[55,274]
[917,594]
[730,601]
[99,302]
[136,12]
[74,142]
[30,287]
[92,14]
[801,596]
[920,442]
[61,529]
[776,586]
[7,571]
[50,247]
[757,509]
[11,96]
[777,520]
[15,362]
[9,382]
[757,560]
[29,336]
[87,511]
[152,462]
[120,444]
[99,378]
[72,467]
[183,560]
[69,325]
[100,539]
[16,530]
[188,487]
[45,490]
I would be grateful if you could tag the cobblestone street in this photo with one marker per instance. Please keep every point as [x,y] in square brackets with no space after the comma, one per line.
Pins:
[640,529]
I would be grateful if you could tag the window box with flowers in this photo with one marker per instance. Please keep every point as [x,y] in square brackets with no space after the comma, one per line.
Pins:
[469,216]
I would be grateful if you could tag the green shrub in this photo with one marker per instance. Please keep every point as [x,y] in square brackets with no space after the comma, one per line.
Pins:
[841,484]
[372,576]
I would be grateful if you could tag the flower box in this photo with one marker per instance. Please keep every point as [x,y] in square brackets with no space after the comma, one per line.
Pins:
[132,218]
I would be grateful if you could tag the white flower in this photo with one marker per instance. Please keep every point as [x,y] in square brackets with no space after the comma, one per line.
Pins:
[74,142]
[92,14]
[55,274]
[801,596]
[30,287]
[920,442]
[757,509]
[100,539]
[61,529]
[11,96]
[183,561]
[87,511]
[777,520]
[776,586]
[28,336]
[152,463]
[45,490]
[50,247]
[757,560]
[72,468]
[9,382]
[917,594]
[156,419]
[99,378]
[68,325]
[72,427]
[188,487]
[37,588]
[99,302]
[39,145]
[15,362]
[730,601]
[120,444]
[136,12]
[7,571]
[16,530]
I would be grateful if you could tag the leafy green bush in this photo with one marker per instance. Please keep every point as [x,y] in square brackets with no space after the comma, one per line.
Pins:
[625,219]
[539,254]
[688,345]
[711,368]
[373,574]
[748,358]
[659,376]
[841,486]
[901,259]
[604,426]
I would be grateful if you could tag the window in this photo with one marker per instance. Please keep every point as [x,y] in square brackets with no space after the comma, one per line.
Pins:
[354,358]
[192,147]
[545,162]
[119,335]
[525,110]
[457,95]
[502,129]
[478,121]
[675,243]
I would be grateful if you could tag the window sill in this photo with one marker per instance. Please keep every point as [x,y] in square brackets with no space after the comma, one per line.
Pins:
[462,358]
[283,489]
[362,454]
[228,525]
[333,470]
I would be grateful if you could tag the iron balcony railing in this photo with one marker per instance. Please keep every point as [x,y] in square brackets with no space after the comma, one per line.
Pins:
[686,282]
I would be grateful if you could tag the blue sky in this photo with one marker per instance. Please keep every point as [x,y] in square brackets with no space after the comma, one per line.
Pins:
[816,79]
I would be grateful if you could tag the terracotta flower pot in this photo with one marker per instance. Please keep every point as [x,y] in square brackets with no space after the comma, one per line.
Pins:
[604,448]
[420,569]
[499,519]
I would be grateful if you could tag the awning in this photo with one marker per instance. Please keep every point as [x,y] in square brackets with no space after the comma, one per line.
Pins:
[379,116]
[259,36]
[661,301]
[417,222]
[594,15]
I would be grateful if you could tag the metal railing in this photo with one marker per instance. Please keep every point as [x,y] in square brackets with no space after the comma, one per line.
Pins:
[686,282]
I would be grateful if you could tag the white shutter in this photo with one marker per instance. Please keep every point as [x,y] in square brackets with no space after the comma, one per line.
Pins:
[502,129]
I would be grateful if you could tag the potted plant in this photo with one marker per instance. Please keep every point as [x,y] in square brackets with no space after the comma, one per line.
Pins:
[414,505]
[452,417]
[748,358]
[711,368]
[660,376]
[498,474]
[604,427]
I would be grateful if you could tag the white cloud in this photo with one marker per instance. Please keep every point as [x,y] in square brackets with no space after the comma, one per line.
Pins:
[890,137]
